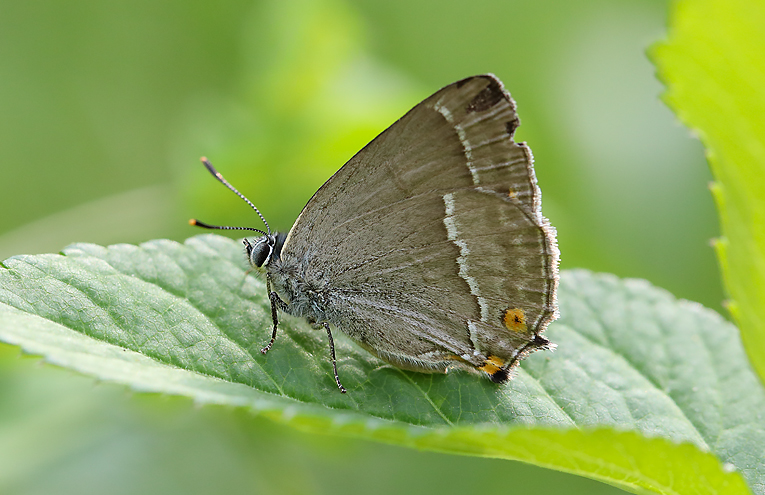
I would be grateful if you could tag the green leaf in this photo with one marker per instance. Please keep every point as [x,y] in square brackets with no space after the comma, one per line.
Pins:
[714,66]
[644,392]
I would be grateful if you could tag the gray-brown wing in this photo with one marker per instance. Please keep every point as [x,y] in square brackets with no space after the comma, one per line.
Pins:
[432,236]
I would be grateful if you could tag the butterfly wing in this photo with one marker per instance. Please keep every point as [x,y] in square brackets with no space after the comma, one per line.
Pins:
[429,245]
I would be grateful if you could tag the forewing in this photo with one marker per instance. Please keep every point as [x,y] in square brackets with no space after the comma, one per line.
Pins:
[433,232]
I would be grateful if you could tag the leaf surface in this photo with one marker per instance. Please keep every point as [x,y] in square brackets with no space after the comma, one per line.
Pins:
[645,392]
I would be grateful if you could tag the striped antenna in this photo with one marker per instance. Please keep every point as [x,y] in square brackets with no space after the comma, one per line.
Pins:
[218,176]
[197,223]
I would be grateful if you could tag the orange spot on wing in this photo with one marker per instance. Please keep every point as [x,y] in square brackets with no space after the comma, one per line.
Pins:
[514,319]
[492,365]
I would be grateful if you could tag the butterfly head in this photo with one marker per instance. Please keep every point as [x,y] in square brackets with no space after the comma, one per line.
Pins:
[267,247]
[259,252]
[264,249]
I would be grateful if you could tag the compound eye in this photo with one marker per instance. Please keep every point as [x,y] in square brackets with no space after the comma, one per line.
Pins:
[259,252]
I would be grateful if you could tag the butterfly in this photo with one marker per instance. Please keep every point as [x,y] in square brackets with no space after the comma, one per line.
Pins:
[428,248]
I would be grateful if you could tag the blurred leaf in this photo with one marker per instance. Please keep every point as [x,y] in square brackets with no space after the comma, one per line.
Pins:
[91,93]
[311,98]
[714,66]
[135,214]
[632,363]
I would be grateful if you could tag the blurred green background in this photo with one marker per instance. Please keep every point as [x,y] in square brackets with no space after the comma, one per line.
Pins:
[107,106]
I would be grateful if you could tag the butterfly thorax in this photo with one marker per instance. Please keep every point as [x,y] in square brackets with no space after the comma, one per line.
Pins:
[306,294]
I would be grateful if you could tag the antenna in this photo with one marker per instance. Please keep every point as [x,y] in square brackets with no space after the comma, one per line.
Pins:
[218,176]
[197,223]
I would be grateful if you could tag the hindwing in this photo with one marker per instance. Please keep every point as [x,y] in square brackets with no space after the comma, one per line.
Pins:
[430,241]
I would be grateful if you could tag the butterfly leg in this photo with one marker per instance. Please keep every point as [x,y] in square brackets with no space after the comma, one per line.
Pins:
[334,361]
[276,304]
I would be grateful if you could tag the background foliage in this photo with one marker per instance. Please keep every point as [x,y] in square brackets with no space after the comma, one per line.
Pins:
[108,106]
[713,65]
